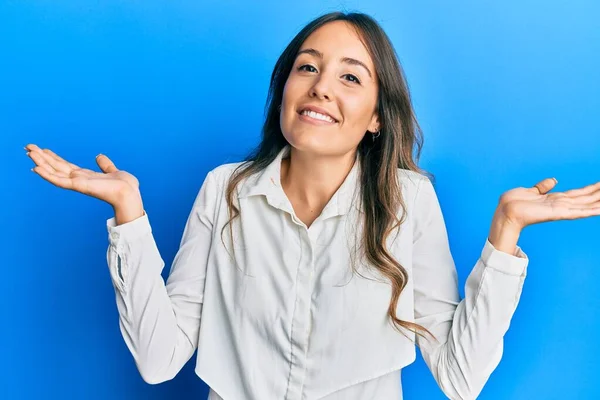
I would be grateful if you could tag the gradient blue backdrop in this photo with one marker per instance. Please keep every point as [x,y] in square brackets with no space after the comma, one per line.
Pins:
[507,94]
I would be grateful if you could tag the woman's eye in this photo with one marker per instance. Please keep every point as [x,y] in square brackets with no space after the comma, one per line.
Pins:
[301,68]
[310,68]
[354,78]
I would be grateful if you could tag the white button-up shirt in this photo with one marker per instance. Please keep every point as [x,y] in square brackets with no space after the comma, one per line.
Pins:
[285,318]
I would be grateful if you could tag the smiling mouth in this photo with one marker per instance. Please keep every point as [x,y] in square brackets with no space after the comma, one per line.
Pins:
[318,116]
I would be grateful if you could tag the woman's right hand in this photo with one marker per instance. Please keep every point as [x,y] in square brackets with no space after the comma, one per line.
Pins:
[112,185]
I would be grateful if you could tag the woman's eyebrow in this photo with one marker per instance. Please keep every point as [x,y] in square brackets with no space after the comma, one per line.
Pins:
[347,60]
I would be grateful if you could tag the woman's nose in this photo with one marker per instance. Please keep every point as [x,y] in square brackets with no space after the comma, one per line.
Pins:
[321,89]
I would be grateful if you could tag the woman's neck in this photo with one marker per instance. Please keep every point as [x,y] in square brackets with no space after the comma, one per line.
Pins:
[310,181]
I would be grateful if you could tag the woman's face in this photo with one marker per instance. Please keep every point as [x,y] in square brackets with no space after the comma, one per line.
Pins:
[334,74]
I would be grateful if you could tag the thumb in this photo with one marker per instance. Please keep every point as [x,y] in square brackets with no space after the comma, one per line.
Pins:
[105,164]
[544,186]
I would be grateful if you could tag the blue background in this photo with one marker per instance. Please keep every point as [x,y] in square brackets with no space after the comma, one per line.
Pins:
[506,92]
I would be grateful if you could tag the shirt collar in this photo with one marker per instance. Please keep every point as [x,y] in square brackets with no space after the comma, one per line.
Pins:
[268,183]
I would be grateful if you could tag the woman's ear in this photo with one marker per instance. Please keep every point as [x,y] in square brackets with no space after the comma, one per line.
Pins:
[374,125]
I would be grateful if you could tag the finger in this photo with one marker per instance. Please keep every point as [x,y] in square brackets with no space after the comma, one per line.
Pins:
[31,147]
[577,213]
[567,204]
[56,165]
[60,159]
[586,198]
[40,160]
[105,164]
[53,178]
[544,186]
[584,190]
[83,172]
[567,212]
[562,198]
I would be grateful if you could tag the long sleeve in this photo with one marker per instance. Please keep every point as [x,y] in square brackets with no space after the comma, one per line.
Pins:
[470,331]
[160,323]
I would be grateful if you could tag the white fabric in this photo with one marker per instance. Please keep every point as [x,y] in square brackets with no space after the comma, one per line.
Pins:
[287,319]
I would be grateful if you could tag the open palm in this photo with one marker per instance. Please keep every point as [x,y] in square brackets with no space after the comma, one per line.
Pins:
[110,185]
[528,206]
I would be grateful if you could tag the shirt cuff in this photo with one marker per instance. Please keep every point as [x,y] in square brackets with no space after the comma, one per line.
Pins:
[504,262]
[129,231]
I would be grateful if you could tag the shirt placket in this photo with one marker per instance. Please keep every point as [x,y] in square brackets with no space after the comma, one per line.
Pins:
[301,321]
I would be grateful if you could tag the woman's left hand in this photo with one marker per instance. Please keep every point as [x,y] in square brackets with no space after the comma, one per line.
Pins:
[527,206]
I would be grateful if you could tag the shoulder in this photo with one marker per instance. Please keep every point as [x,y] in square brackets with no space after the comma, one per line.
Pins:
[223,172]
[412,181]
[212,190]
[218,178]
[419,193]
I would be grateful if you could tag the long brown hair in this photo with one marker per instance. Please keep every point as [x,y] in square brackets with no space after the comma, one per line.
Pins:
[380,159]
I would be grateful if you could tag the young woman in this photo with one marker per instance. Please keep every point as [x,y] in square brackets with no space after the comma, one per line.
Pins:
[313,268]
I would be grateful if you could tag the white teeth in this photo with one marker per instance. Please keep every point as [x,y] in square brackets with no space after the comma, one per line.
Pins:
[316,115]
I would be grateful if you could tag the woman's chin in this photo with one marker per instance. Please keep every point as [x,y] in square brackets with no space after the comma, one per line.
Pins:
[309,143]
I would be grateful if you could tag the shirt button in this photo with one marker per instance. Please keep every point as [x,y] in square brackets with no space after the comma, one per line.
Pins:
[114,235]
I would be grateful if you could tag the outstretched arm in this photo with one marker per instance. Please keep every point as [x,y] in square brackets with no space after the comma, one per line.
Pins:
[160,322]
[469,331]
